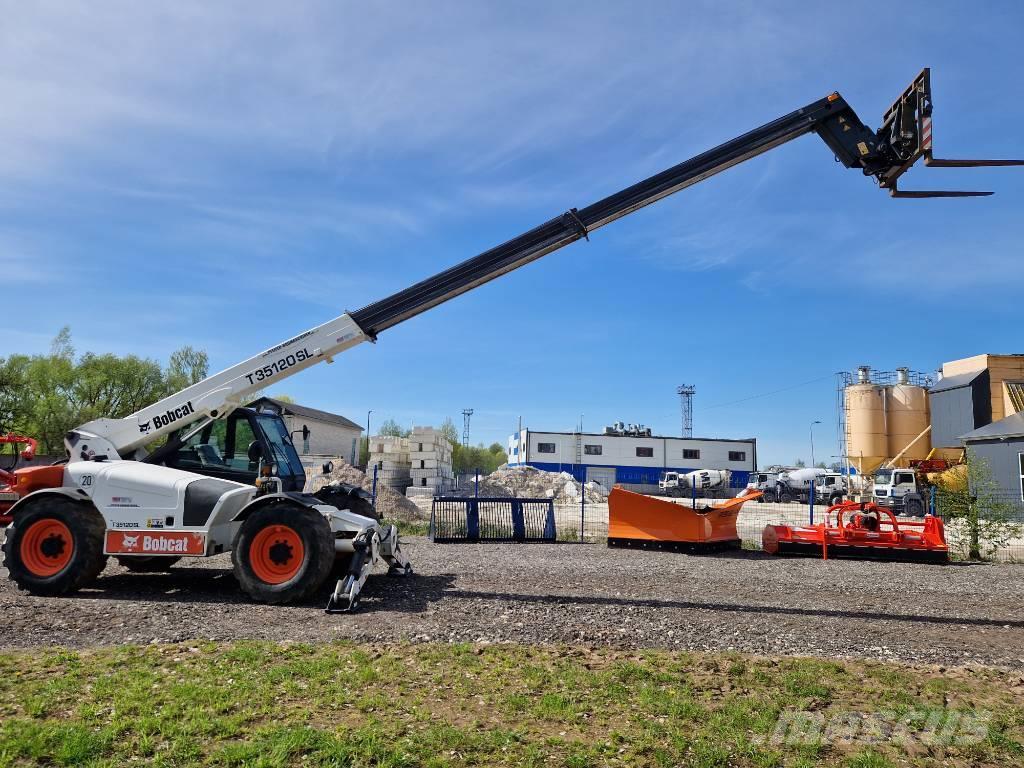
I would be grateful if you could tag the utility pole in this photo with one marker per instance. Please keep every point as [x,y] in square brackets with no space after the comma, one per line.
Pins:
[812,441]
[466,413]
[686,392]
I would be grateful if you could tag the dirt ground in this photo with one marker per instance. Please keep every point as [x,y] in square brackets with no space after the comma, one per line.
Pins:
[573,593]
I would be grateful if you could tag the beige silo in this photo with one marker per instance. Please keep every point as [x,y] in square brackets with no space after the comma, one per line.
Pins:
[866,442]
[906,418]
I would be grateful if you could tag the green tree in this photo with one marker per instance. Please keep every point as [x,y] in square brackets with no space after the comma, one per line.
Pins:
[44,396]
[800,463]
[391,428]
[187,366]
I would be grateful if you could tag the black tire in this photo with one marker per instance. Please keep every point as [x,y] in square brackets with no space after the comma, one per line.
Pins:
[86,528]
[290,521]
[148,564]
[785,498]
[835,499]
[913,508]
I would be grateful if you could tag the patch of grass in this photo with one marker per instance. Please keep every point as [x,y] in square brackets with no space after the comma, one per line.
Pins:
[266,704]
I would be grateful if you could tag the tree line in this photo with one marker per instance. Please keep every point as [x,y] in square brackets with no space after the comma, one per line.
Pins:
[44,396]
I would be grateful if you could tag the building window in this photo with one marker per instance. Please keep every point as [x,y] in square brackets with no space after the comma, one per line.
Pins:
[737,455]
[645,453]
[592,450]
[691,453]
[545,447]
[1020,457]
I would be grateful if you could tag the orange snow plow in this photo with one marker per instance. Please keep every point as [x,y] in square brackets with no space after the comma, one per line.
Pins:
[861,530]
[642,522]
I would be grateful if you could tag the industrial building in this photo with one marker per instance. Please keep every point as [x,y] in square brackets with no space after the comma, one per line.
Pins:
[976,402]
[330,435]
[631,457]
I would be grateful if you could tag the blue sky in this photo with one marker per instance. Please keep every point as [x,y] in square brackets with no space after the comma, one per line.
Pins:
[226,175]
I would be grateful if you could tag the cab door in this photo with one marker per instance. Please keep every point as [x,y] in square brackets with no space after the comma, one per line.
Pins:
[221,449]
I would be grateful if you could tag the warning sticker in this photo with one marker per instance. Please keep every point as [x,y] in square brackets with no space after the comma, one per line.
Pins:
[155,543]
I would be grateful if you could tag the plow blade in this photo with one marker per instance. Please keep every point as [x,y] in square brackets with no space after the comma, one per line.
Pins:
[641,522]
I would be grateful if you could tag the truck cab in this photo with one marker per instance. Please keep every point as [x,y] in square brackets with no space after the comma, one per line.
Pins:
[670,483]
[831,488]
[234,448]
[763,481]
[898,489]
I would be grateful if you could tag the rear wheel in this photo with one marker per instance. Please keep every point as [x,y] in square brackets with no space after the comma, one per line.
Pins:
[55,546]
[147,564]
[785,497]
[283,553]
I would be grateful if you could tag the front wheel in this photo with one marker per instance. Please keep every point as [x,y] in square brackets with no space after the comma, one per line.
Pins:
[55,546]
[913,508]
[283,553]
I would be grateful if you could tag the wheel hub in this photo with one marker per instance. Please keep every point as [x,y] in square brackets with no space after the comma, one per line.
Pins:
[280,552]
[53,546]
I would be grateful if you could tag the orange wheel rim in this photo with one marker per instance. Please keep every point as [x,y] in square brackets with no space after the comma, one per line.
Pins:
[47,547]
[276,554]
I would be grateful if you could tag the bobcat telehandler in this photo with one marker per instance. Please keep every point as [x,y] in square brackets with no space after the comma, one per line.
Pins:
[112,496]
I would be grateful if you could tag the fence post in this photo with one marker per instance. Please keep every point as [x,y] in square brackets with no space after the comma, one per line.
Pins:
[931,500]
[811,506]
[583,502]
[693,494]
[373,493]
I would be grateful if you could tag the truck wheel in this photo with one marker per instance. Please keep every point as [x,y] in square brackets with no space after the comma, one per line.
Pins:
[836,498]
[55,546]
[147,564]
[785,497]
[913,508]
[283,553]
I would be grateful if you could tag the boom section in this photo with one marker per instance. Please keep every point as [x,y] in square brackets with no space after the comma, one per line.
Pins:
[831,117]
[216,396]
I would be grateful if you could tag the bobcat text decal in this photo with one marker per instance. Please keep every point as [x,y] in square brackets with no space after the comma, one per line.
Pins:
[155,543]
[278,366]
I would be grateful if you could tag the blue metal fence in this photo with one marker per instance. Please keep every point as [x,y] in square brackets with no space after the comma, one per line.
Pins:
[460,518]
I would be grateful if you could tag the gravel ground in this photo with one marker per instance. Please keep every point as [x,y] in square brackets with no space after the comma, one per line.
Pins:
[572,593]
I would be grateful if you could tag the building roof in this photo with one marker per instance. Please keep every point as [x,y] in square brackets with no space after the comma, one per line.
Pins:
[302,411]
[1011,426]
[959,380]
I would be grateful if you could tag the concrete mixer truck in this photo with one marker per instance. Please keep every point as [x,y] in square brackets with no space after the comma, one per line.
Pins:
[796,484]
[704,481]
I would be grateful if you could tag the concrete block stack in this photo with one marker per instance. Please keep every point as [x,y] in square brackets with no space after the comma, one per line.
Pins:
[390,455]
[430,454]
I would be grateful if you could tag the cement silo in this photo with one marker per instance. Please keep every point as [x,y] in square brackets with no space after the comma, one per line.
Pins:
[867,442]
[906,409]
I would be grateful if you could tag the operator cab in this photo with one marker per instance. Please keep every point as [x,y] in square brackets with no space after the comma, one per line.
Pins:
[235,447]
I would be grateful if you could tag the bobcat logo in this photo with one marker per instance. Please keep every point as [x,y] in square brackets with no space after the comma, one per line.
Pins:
[130,542]
[144,428]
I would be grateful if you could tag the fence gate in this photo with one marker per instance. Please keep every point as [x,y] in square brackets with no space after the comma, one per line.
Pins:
[459,518]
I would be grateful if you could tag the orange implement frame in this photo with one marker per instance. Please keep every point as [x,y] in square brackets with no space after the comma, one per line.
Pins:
[642,522]
[861,530]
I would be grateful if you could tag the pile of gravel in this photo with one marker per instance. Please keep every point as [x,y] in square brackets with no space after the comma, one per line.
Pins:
[529,482]
[390,503]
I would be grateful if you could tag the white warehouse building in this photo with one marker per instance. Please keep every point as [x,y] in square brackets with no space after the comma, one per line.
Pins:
[630,459]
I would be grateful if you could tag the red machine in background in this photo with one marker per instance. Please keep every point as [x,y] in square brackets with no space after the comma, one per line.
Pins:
[8,480]
[861,530]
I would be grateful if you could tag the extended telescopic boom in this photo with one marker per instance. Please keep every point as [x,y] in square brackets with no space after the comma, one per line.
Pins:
[885,154]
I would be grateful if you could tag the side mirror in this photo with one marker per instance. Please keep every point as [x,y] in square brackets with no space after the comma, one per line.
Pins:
[255,452]
[328,467]
[305,432]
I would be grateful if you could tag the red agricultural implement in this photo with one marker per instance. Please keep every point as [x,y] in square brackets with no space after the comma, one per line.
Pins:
[861,530]
[8,480]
